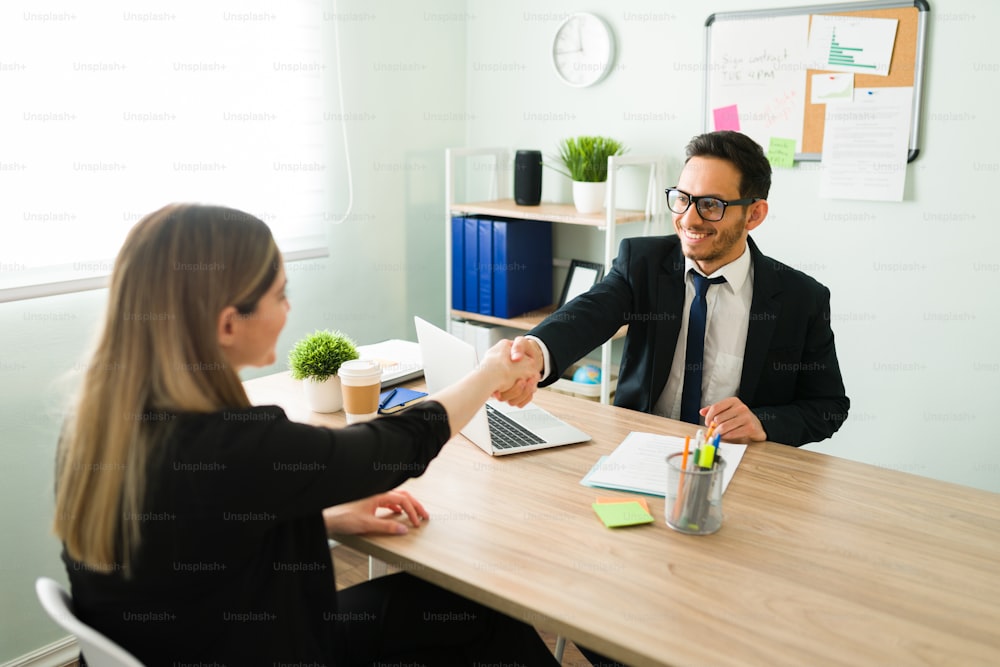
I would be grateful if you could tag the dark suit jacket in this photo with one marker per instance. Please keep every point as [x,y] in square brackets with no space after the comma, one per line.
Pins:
[791,379]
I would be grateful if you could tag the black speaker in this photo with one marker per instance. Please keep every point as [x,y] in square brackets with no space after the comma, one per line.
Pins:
[528,178]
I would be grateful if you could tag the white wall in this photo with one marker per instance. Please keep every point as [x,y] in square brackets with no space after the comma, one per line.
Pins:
[912,283]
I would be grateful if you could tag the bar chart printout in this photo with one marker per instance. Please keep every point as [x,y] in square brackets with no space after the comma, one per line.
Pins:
[851,44]
[844,55]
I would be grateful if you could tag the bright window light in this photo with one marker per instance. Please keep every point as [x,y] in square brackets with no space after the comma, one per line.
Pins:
[112,109]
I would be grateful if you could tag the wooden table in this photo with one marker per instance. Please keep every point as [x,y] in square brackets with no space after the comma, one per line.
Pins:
[820,560]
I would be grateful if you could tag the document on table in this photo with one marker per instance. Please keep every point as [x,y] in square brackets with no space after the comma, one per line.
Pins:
[639,463]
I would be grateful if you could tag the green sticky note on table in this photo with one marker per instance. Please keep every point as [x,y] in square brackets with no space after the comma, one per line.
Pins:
[781,152]
[615,515]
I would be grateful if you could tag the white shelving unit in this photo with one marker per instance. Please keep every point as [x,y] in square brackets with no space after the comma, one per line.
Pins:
[565,214]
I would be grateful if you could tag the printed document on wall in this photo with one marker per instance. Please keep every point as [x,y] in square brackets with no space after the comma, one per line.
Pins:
[865,145]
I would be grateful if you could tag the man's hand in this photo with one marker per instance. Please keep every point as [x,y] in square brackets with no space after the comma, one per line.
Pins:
[362,516]
[734,421]
[521,393]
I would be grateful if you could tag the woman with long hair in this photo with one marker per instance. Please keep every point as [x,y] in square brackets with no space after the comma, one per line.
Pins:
[195,525]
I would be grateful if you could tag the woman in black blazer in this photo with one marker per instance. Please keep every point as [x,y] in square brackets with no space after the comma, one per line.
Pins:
[195,525]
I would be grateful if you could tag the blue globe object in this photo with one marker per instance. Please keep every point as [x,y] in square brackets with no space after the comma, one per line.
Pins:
[587,374]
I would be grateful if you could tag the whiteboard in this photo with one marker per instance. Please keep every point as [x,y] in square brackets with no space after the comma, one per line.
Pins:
[764,76]
[758,61]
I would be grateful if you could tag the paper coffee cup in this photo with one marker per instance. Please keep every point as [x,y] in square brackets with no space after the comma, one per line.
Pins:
[361,381]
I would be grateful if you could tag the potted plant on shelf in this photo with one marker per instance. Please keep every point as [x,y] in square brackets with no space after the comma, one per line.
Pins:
[315,359]
[586,159]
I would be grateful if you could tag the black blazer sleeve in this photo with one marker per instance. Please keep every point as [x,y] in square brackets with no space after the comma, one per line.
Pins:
[256,461]
[800,396]
[588,320]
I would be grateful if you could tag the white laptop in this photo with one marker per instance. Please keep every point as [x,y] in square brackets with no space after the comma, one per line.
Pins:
[497,428]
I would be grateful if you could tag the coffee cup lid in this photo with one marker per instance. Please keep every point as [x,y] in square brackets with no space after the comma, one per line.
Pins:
[360,368]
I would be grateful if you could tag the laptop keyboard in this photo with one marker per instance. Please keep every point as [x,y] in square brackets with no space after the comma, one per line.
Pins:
[508,434]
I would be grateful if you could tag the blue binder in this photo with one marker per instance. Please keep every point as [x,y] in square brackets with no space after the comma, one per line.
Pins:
[522,266]
[470,269]
[485,268]
[457,262]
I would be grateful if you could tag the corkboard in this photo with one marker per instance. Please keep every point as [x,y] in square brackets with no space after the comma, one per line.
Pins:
[905,68]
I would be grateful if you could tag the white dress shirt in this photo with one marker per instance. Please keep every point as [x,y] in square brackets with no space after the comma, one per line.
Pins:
[728,316]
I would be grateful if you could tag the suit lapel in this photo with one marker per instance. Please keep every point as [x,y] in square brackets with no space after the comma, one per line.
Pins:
[669,302]
[764,312]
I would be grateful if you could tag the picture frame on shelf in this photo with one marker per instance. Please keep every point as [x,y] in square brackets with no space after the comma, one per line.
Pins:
[581,277]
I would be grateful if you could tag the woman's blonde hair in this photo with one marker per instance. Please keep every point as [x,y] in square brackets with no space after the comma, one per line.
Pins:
[158,354]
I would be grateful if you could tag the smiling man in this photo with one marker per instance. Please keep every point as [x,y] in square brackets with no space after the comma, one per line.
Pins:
[717,332]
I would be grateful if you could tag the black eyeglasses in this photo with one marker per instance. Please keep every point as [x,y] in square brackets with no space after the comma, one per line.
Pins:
[711,209]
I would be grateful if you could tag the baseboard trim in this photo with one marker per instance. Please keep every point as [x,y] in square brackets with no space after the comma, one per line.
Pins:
[57,654]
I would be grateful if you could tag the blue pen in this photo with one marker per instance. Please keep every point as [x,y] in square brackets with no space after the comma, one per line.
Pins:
[388,397]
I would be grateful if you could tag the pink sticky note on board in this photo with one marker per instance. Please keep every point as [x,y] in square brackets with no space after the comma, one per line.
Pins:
[726,118]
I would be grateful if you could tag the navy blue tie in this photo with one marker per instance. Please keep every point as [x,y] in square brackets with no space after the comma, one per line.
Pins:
[694,358]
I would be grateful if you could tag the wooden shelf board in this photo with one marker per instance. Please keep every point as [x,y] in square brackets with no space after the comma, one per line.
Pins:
[523,322]
[546,212]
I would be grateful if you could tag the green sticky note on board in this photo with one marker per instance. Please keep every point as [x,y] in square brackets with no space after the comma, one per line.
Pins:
[615,515]
[781,152]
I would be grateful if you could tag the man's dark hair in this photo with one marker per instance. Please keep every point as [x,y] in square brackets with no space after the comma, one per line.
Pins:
[743,152]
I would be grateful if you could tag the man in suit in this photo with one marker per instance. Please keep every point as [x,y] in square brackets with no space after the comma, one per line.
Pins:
[769,369]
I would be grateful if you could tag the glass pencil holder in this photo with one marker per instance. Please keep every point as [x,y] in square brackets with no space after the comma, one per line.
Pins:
[694,496]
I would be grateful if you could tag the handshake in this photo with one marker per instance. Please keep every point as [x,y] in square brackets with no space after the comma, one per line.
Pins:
[518,366]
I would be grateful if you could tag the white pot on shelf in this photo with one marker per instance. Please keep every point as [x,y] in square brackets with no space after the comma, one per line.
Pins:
[589,197]
[325,396]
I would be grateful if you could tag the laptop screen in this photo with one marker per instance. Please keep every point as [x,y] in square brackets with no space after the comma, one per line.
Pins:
[446,358]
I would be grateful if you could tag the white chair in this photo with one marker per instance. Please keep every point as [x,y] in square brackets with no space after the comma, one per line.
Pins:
[97,649]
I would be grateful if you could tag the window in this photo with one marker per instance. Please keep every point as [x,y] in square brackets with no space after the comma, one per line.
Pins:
[113,109]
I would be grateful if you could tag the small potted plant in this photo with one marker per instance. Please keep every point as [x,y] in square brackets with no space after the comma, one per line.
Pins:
[315,359]
[586,159]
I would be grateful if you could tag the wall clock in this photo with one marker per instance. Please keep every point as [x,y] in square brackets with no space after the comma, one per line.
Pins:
[583,50]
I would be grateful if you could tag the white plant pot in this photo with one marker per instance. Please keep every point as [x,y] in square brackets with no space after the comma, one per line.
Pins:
[589,197]
[325,396]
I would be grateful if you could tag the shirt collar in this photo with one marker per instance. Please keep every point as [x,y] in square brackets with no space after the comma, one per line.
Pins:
[735,273]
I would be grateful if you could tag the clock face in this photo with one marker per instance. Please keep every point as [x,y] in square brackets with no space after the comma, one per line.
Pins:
[583,50]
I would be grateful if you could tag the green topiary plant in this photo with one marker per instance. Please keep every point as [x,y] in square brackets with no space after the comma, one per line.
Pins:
[320,354]
[586,158]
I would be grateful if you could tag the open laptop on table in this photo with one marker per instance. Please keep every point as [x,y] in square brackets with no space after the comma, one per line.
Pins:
[497,428]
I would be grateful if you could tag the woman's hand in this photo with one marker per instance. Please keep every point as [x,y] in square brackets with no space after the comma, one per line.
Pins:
[362,516]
